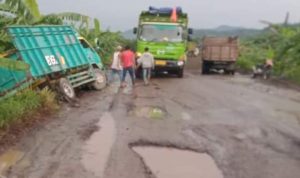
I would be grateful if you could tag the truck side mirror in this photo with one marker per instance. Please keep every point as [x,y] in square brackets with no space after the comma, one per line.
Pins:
[190,31]
[134,30]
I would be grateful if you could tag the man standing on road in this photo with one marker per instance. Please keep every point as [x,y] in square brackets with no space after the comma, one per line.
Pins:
[147,63]
[116,67]
[128,63]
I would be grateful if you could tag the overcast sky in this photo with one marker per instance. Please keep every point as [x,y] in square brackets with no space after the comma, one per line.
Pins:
[123,14]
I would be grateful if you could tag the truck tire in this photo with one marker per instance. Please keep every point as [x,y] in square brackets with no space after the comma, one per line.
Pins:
[230,69]
[227,72]
[100,81]
[233,72]
[180,73]
[66,89]
[205,68]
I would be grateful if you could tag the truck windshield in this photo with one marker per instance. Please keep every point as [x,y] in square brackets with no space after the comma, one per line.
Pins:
[159,33]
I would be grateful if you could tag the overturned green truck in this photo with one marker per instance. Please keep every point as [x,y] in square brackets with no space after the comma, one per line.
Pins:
[165,32]
[56,55]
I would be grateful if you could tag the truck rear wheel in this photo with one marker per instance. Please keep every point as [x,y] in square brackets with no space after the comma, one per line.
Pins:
[66,88]
[100,81]
[205,68]
[229,72]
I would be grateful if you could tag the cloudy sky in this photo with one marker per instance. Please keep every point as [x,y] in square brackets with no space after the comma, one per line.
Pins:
[123,14]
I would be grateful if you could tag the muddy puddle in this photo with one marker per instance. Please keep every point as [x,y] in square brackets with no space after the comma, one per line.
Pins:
[174,163]
[151,112]
[96,151]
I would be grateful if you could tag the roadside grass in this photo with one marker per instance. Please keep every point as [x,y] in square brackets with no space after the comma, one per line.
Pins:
[244,65]
[294,74]
[24,104]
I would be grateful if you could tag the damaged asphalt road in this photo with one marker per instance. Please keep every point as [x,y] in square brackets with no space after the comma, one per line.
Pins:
[249,129]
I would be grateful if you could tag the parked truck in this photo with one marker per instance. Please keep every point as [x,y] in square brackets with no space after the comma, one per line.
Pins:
[219,53]
[57,56]
[165,32]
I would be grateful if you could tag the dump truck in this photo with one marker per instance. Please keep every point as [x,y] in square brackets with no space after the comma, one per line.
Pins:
[165,32]
[57,56]
[219,53]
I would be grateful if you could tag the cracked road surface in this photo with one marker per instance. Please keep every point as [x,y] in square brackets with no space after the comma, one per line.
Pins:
[250,129]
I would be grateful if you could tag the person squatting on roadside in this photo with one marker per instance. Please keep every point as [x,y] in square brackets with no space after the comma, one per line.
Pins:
[128,64]
[147,63]
[116,66]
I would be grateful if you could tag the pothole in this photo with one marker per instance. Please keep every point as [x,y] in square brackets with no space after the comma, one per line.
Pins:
[175,163]
[152,112]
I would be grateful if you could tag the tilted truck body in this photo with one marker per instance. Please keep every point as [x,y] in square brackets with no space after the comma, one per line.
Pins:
[166,38]
[219,53]
[56,55]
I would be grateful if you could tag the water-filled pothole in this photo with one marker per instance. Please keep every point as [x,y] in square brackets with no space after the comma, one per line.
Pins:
[152,112]
[97,149]
[169,162]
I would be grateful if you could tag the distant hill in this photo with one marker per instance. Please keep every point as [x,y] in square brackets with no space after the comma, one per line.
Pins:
[223,30]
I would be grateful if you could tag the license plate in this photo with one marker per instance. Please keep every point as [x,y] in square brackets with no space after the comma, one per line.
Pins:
[160,63]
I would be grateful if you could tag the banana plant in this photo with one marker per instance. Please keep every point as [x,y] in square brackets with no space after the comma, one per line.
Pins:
[26,12]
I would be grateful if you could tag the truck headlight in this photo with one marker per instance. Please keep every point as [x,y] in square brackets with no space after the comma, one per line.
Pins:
[180,63]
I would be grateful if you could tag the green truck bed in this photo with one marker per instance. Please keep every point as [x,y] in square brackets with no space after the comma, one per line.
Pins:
[49,50]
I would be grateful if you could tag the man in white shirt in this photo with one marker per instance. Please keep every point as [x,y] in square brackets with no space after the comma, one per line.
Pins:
[116,66]
[147,63]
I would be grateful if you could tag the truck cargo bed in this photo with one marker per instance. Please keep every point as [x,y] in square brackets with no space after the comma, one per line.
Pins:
[220,49]
[49,49]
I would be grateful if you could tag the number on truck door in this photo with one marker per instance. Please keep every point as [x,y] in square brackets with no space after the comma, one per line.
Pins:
[51,60]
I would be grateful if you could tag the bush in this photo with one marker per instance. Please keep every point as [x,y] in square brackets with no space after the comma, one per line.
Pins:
[281,43]
[245,65]
[294,74]
[250,55]
[25,103]
[48,99]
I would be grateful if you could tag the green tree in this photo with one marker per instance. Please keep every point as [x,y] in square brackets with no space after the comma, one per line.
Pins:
[280,42]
